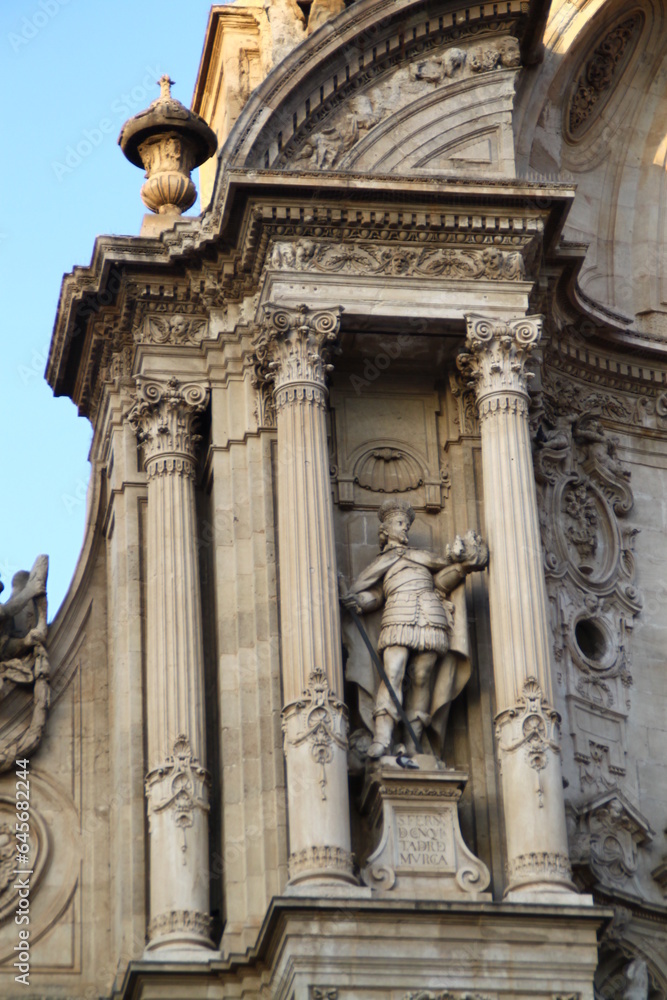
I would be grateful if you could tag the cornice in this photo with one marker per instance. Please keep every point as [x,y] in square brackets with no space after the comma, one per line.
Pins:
[202,264]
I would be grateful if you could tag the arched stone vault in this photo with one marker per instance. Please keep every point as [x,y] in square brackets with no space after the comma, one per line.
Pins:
[613,56]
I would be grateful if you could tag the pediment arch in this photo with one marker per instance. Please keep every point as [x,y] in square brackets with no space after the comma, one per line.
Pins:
[372,61]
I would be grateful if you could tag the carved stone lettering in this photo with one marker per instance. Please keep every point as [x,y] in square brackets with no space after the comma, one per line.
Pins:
[424,840]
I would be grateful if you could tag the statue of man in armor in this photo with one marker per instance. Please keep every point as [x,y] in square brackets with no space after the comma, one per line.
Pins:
[413,585]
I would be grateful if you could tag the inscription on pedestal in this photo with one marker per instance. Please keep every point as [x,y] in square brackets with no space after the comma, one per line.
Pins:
[417,848]
[424,841]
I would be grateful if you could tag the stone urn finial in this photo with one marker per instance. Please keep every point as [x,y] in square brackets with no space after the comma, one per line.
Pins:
[168,141]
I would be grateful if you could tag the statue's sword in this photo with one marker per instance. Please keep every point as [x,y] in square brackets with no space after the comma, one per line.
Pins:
[383,677]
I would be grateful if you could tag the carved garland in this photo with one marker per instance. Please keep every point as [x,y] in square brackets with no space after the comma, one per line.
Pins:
[490,263]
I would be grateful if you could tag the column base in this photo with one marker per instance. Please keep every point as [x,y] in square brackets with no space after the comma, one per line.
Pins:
[180,930]
[321,866]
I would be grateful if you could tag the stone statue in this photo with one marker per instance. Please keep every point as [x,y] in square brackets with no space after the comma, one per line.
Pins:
[23,657]
[418,620]
[636,974]
[322,11]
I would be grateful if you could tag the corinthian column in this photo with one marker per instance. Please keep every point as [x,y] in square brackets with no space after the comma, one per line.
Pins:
[177,784]
[527,727]
[293,349]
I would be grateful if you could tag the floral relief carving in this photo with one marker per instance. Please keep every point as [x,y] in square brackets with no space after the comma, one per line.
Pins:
[532,727]
[318,719]
[292,351]
[601,72]
[490,263]
[179,785]
[608,832]
[164,417]
[584,494]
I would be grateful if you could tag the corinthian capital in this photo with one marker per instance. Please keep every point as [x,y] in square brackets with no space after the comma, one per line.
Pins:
[496,359]
[293,348]
[164,417]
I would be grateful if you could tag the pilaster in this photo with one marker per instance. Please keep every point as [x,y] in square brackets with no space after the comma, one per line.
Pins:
[293,351]
[177,784]
[527,727]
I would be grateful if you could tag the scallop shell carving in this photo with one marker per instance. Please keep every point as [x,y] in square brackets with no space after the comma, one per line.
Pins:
[388,470]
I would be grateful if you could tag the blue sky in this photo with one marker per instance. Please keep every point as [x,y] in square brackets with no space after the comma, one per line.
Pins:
[71,72]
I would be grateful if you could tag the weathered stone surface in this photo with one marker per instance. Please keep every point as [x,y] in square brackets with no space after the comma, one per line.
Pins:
[382,189]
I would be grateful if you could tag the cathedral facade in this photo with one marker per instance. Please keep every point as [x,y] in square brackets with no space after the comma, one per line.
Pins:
[359,691]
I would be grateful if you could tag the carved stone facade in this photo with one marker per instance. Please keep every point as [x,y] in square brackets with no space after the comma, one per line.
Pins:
[387,305]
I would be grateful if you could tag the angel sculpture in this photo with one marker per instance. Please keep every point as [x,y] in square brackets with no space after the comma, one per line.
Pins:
[23,657]
[417,637]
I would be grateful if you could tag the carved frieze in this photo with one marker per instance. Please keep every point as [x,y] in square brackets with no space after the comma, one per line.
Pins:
[600,74]
[488,263]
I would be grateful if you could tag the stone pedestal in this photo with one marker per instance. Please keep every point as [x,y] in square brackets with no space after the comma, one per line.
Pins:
[292,351]
[527,726]
[418,851]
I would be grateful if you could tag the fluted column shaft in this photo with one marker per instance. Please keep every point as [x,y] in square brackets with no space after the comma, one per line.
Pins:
[527,727]
[177,784]
[293,348]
